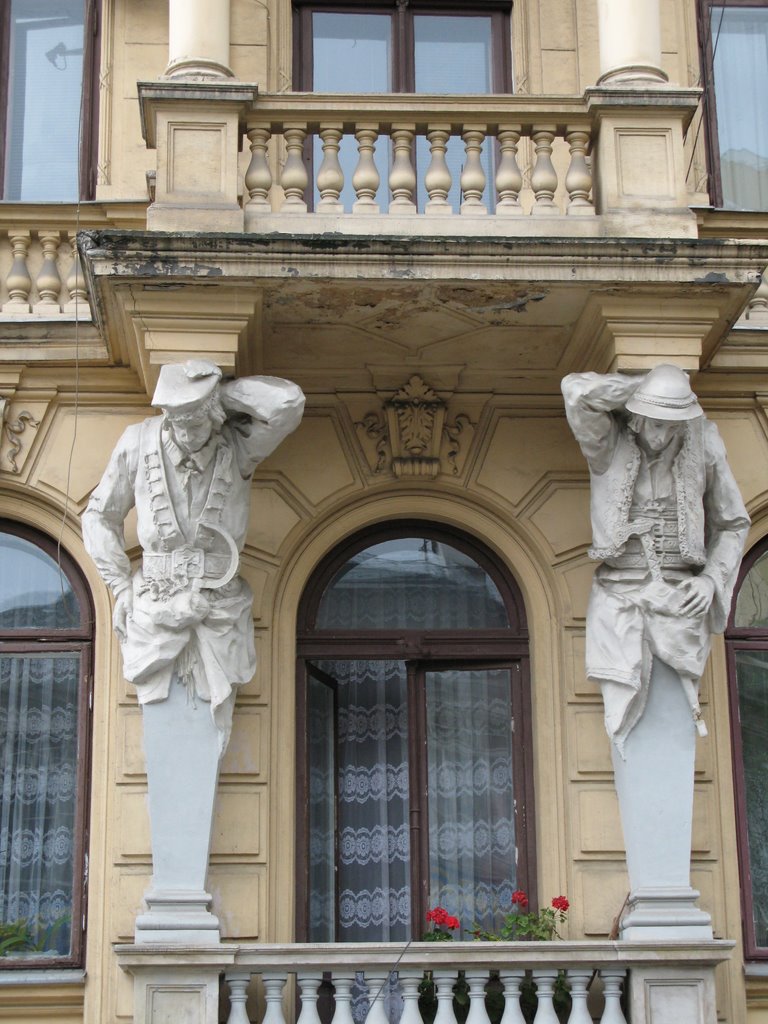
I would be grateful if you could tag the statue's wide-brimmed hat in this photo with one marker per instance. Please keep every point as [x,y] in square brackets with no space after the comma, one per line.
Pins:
[665,394]
[183,386]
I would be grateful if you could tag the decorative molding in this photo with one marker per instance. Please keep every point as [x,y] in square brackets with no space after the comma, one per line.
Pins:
[411,434]
[13,429]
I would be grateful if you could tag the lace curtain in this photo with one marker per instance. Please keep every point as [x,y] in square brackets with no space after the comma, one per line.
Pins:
[38,764]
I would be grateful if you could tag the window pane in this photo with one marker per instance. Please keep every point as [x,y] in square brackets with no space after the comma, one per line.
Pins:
[46,71]
[34,592]
[752,599]
[322,812]
[373,841]
[38,767]
[412,583]
[740,45]
[752,681]
[452,54]
[471,804]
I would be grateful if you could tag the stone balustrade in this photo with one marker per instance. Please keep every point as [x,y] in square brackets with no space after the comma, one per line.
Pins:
[438,157]
[608,982]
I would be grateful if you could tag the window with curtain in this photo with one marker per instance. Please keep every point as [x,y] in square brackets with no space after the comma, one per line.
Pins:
[45,670]
[747,647]
[422,47]
[414,739]
[47,54]
[735,52]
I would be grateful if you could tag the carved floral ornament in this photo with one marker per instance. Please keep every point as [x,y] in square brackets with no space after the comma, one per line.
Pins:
[412,434]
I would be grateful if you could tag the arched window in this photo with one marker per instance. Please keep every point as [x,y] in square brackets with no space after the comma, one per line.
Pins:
[747,647]
[414,738]
[45,670]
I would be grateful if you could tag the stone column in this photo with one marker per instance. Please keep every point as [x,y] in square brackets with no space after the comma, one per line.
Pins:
[198,38]
[630,42]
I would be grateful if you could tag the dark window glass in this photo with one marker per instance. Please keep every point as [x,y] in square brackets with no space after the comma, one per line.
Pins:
[747,646]
[416,743]
[45,654]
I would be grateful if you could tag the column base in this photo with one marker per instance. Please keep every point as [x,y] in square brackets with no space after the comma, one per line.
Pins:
[665,913]
[178,916]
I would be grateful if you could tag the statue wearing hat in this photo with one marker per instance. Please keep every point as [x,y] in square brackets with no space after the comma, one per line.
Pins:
[186,611]
[184,616]
[668,529]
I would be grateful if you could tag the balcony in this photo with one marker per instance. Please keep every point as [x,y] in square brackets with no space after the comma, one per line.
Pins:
[608,982]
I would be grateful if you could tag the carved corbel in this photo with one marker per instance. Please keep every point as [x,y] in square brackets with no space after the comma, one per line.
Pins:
[411,434]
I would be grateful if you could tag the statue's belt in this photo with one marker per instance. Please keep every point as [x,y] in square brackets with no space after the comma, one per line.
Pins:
[188,563]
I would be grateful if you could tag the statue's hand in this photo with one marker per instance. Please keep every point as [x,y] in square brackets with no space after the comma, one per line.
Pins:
[123,608]
[699,593]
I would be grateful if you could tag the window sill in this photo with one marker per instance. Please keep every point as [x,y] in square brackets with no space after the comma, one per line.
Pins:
[41,976]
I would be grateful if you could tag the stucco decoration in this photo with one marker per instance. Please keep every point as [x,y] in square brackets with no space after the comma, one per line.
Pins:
[184,617]
[668,529]
[412,433]
[13,429]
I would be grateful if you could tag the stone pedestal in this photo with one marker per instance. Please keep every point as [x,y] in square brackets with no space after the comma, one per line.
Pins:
[181,746]
[654,782]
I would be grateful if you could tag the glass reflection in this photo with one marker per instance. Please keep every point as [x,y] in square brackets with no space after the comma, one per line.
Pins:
[34,591]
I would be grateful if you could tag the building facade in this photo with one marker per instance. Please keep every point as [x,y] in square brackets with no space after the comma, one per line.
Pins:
[426,214]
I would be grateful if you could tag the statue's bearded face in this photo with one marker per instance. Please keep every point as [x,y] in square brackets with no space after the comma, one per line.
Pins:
[191,430]
[655,435]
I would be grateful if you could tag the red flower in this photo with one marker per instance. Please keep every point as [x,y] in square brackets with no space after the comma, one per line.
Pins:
[519,897]
[438,916]
[561,903]
[452,922]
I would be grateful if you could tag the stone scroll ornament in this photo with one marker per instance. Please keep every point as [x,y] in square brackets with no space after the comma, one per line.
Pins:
[668,530]
[184,616]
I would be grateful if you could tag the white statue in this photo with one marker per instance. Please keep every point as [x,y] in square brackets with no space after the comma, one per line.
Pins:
[668,528]
[184,618]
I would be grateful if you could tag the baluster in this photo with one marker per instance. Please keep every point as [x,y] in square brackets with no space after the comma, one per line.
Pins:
[437,180]
[18,281]
[612,979]
[476,981]
[509,179]
[444,981]
[758,304]
[545,989]
[402,176]
[544,176]
[330,177]
[258,177]
[238,994]
[578,179]
[365,179]
[342,985]
[294,178]
[273,997]
[78,296]
[409,986]
[309,985]
[511,981]
[49,279]
[472,174]
[377,990]
[579,980]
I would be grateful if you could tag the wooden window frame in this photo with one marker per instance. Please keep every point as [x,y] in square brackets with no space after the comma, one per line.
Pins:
[421,651]
[402,15]
[89,111]
[79,640]
[709,109]
[739,639]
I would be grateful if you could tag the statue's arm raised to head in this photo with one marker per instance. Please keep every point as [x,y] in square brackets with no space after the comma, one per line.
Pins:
[591,401]
[261,412]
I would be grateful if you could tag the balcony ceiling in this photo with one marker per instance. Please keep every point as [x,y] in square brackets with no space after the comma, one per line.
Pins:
[340,313]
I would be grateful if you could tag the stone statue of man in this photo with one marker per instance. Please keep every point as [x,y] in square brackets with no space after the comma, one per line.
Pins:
[668,527]
[186,612]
